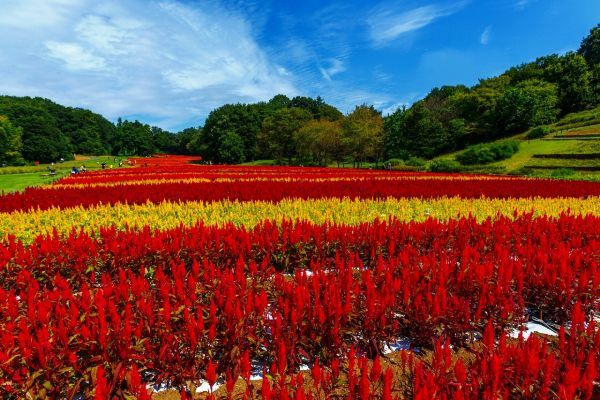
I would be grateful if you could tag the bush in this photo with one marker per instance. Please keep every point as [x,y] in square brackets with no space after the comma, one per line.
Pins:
[395,162]
[415,162]
[488,153]
[444,166]
[538,132]
[521,171]
[562,173]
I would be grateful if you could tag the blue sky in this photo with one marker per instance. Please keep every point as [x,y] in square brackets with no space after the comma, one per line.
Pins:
[170,62]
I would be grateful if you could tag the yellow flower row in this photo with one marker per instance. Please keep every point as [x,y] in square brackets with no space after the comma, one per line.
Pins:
[142,181]
[26,225]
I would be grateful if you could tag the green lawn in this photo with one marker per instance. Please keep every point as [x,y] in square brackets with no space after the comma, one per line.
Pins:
[92,162]
[18,178]
[259,163]
[17,182]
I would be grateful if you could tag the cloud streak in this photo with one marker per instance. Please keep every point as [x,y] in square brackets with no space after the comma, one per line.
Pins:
[336,67]
[485,36]
[388,23]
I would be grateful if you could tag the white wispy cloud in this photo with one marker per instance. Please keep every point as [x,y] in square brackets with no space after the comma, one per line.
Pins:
[520,4]
[36,13]
[75,57]
[484,39]
[169,61]
[389,22]
[335,67]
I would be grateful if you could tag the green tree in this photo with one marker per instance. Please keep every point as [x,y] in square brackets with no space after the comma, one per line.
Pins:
[416,132]
[363,134]
[64,129]
[320,141]
[590,46]
[88,133]
[42,140]
[165,141]
[242,119]
[572,76]
[477,109]
[278,102]
[595,85]
[426,135]
[394,140]
[231,148]
[530,103]
[317,107]
[133,138]
[278,131]
[10,143]
[191,141]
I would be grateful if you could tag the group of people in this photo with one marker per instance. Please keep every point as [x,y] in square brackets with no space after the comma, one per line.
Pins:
[74,170]
[79,170]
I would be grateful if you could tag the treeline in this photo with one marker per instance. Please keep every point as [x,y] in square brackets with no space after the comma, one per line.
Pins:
[308,131]
[36,129]
[300,130]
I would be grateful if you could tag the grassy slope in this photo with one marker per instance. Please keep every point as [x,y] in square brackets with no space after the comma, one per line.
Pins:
[585,122]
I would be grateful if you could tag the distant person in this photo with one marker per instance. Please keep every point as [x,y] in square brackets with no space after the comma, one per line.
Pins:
[74,171]
[103,165]
[82,169]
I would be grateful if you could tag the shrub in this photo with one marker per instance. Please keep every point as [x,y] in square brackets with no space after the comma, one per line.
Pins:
[444,166]
[538,132]
[395,162]
[415,162]
[521,171]
[488,153]
[562,173]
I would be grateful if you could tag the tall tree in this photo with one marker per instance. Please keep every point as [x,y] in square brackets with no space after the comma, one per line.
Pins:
[393,134]
[278,131]
[572,76]
[242,119]
[134,138]
[231,148]
[10,143]
[530,103]
[363,134]
[320,141]
[590,46]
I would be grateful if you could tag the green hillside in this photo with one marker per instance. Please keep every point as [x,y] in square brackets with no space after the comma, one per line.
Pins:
[570,149]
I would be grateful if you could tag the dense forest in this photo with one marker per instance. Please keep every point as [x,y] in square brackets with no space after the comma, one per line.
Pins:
[309,131]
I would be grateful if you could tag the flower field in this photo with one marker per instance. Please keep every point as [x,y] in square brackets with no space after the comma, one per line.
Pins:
[173,279]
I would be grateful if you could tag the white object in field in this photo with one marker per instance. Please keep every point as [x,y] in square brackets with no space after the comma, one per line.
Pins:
[533,327]
[400,344]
